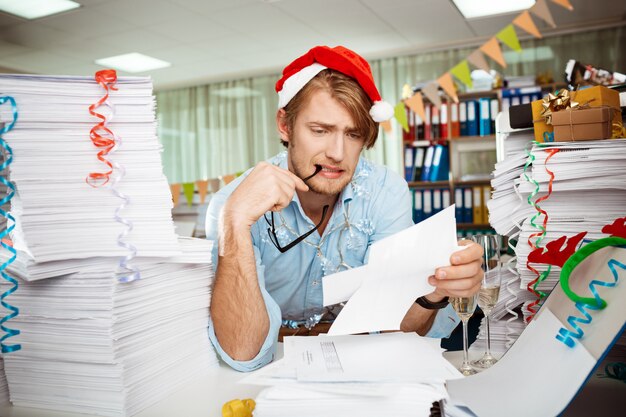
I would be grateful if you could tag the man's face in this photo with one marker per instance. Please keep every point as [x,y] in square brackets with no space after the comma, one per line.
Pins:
[324,134]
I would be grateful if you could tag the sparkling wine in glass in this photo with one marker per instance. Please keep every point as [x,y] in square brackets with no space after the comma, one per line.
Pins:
[489,289]
[464,307]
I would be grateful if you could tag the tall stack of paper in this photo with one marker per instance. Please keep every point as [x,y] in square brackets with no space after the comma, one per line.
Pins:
[394,374]
[588,192]
[59,214]
[90,343]
[4,387]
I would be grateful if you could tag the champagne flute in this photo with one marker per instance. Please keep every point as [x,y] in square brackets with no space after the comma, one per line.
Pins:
[464,307]
[489,289]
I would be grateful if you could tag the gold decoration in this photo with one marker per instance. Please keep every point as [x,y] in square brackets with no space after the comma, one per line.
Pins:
[556,102]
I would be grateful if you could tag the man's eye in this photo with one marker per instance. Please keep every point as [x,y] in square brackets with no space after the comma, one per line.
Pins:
[354,135]
[318,131]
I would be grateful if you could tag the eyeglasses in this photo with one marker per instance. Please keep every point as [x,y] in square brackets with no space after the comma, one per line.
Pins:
[271,231]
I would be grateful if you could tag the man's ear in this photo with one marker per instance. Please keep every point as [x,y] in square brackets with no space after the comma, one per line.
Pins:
[281,123]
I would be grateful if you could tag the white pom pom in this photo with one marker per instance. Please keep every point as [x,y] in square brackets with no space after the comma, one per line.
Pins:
[381,111]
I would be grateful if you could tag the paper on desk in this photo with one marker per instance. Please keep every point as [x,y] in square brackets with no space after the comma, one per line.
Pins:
[387,357]
[396,274]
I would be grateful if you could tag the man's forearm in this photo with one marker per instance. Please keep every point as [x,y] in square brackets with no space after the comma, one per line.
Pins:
[238,311]
[419,319]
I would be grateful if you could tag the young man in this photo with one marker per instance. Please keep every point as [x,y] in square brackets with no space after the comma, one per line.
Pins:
[312,211]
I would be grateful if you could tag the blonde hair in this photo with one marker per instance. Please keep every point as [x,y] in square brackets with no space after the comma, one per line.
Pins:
[347,92]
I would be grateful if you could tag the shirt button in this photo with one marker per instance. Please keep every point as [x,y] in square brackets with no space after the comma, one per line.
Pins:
[314,283]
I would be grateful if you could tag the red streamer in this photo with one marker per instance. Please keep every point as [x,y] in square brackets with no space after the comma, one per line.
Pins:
[532,307]
[101,136]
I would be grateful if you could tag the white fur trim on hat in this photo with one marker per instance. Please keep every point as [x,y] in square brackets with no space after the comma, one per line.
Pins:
[381,111]
[295,83]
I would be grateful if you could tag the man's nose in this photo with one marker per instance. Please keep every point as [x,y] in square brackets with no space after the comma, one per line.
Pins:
[334,148]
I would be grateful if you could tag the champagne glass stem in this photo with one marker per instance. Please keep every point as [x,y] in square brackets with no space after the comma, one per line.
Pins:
[488,336]
[465,358]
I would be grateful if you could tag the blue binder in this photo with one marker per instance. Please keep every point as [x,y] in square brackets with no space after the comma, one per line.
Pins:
[440,165]
[472,118]
[484,127]
[418,212]
[428,161]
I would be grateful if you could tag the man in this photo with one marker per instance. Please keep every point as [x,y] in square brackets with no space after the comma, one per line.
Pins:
[312,211]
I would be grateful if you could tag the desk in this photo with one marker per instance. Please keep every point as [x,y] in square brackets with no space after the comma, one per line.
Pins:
[205,396]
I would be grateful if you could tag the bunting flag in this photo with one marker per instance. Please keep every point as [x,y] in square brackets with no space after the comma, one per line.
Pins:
[175,189]
[407,91]
[431,91]
[509,37]
[446,82]
[462,72]
[400,114]
[386,125]
[478,60]
[188,190]
[525,22]
[564,3]
[541,10]
[492,49]
[228,178]
[416,104]
[203,187]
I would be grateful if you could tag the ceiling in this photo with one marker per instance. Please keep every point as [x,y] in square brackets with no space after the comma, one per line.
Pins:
[211,40]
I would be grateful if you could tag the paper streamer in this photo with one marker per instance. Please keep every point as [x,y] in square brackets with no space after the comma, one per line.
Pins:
[109,144]
[568,337]
[4,240]
[101,136]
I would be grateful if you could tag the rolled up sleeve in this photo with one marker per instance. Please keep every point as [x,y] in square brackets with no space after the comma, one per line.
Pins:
[445,321]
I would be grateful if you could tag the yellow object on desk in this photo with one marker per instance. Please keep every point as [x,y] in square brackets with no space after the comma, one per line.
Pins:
[598,96]
[238,408]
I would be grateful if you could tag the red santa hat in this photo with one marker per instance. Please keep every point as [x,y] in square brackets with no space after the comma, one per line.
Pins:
[297,74]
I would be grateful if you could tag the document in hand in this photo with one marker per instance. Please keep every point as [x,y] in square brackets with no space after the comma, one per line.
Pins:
[381,292]
[550,371]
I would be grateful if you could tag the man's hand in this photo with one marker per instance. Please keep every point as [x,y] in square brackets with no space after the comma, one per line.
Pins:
[267,187]
[462,278]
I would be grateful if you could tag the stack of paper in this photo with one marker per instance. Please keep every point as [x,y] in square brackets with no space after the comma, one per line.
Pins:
[91,344]
[506,208]
[59,215]
[588,192]
[399,374]
[4,387]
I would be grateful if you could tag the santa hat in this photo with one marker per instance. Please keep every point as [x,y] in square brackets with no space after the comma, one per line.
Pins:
[297,74]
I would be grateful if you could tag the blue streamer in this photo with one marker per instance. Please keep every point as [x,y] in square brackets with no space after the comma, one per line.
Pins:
[9,228]
[567,336]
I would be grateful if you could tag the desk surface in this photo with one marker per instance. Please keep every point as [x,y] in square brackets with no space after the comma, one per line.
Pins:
[205,396]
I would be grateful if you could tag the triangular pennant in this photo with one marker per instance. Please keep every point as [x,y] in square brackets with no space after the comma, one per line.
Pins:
[525,22]
[446,82]
[188,190]
[492,49]
[509,37]
[564,3]
[407,91]
[416,103]
[203,187]
[175,190]
[400,113]
[462,72]
[431,91]
[386,125]
[542,11]
[478,60]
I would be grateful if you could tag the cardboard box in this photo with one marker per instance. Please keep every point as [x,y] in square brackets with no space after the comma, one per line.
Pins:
[586,124]
[594,97]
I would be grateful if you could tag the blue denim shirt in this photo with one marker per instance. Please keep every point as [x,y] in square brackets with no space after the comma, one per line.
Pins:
[374,205]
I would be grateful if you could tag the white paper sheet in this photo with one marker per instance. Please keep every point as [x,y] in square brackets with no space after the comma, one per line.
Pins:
[396,274]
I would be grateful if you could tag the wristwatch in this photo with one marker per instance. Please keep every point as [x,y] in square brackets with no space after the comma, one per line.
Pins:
[429,305]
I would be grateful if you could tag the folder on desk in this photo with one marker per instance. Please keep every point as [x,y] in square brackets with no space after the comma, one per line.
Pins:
[428,161]
[468,206]
[484,128]
[472,118]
